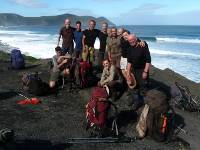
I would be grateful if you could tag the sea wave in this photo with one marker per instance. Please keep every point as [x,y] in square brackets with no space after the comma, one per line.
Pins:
[153,39]
[173,53]
[170,39]
[178,40]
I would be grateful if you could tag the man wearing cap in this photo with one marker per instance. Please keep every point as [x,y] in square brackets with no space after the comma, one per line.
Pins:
[61,66]
[67,34]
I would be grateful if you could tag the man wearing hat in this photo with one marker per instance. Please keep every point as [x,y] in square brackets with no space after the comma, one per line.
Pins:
[61,66]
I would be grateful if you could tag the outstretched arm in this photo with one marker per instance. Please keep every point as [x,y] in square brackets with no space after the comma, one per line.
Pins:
[59,40]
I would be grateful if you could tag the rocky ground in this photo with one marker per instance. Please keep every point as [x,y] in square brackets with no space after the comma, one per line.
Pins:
[47,126]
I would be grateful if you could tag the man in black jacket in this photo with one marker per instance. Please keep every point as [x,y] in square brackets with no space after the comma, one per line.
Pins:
[139,62]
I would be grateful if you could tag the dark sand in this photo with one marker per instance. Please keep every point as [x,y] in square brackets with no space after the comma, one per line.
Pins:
[47,125]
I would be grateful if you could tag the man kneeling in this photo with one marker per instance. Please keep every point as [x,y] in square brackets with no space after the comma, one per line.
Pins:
[111,77]
[61,66]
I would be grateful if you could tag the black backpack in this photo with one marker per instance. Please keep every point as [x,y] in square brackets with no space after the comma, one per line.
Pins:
[17,59]
[7,140]
[33,84]
[160,118]
[161,125]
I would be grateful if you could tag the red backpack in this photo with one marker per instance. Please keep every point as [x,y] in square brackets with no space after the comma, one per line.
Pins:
[97,107]
[82,72]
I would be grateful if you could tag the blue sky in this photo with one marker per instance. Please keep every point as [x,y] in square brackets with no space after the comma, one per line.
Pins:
[132,12]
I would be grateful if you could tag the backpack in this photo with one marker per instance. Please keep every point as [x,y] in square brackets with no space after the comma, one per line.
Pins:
[7,141]
[97,110]
[161,125]
[33,84]
[17,59]
[160,118]
[6,135]
[182,98]
[97,107]
[82,73]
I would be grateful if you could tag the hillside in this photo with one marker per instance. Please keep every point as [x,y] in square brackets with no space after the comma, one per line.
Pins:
[8,19]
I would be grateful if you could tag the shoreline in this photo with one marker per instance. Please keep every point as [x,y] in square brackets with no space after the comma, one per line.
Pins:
[5,48]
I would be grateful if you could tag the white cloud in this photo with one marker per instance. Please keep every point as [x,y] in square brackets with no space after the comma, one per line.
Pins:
[144,14]
[78,12]
[152,14]
[145,9]
[30,3]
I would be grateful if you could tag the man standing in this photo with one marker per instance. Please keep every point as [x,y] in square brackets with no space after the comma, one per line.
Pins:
[89,37]
[139,62]
[114,48]
[78,36]
[67,35]
[120,32]
[103,38]
[124,49]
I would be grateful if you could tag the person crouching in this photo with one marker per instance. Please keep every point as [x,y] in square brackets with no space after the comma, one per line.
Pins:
[61,66]
[112,78]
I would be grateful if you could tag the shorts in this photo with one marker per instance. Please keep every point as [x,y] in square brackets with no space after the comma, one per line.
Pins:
[123,63]
[88,53]
[54,76]
[78,53]
[116,61]
[69,50]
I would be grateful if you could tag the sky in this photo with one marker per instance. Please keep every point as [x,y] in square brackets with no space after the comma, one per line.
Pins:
[120,12]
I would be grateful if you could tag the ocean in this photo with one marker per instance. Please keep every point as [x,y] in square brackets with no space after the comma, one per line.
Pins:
[173,47]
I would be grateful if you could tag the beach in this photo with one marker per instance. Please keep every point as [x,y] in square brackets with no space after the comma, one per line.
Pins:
[49,124]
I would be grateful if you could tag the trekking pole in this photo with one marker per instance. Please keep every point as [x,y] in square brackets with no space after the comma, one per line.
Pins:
[99,140]
[23,96]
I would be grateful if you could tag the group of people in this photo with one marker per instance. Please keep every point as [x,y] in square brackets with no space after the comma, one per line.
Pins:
[120,53]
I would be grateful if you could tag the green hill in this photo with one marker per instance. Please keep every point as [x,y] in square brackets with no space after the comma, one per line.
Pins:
[8,19]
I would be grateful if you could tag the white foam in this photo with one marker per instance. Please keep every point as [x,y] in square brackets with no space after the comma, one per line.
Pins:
[36,45]
[172,53]
[177,40]
[31,43]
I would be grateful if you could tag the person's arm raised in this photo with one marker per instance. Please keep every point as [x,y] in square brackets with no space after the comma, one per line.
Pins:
[60,34]
[58,40]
